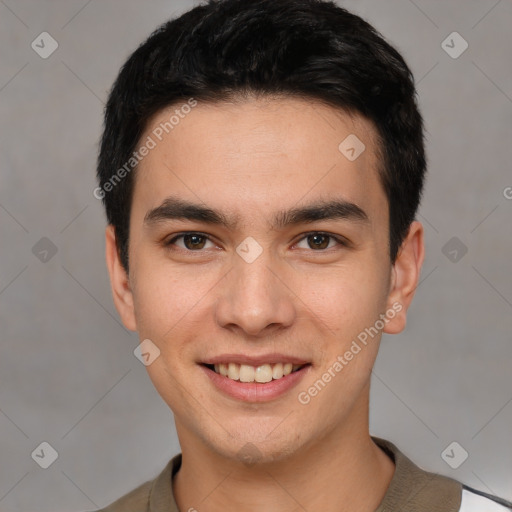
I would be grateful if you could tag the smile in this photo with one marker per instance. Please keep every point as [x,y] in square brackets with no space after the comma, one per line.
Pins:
[255,379]
[247,373]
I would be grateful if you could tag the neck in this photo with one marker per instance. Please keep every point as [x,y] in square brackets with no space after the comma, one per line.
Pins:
[344,470]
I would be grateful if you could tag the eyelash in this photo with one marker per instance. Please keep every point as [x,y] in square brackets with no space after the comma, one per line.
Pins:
[173,240]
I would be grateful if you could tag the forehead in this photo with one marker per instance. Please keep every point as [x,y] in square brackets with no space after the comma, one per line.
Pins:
[253,155]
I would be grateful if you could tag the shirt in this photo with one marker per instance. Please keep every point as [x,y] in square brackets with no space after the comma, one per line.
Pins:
[411,490]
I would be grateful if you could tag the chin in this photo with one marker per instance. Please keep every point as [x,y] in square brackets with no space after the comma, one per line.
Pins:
[255,450]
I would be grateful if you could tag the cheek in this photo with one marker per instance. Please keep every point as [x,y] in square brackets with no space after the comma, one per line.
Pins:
[164,300]
[346,299]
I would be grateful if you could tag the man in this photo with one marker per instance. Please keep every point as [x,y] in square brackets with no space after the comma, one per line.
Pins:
[261,166]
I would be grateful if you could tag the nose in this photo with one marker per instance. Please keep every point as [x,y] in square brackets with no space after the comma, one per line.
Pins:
[254,299]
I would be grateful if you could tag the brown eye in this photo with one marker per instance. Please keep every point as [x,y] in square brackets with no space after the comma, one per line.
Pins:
[190,241]
[321,241]
[194,241]
[318,241]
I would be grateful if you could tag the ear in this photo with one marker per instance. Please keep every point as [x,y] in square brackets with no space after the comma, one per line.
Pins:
[405,276]
[119,281]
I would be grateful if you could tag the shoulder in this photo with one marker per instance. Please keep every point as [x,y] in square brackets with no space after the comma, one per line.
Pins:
[150,495]
[416,490]
[138,499]
[478,501]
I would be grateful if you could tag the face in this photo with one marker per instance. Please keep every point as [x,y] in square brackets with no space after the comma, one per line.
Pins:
[258,248]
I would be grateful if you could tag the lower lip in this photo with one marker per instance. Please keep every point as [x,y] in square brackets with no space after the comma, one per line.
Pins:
[256,391]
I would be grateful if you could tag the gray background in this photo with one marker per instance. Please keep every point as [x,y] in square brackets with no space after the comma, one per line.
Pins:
[68,375]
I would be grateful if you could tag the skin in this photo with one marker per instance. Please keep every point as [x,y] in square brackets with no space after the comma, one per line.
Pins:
[252,158]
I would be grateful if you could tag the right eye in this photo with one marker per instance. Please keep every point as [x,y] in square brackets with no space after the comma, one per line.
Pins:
[190,241]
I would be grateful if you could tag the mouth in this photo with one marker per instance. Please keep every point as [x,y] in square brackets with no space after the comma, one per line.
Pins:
[262,373]
[255,379]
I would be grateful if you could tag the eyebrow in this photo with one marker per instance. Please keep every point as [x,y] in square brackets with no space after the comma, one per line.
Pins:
[336,209]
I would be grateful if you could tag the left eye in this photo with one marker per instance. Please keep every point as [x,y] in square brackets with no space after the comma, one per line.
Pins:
[320,241]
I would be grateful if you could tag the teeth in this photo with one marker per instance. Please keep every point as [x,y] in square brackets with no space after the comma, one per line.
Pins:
[277,371]
[234,371]
[246,373]
[223,369]
[262,373]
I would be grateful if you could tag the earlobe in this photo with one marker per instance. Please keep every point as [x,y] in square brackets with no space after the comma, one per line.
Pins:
[405,278]
[119,282]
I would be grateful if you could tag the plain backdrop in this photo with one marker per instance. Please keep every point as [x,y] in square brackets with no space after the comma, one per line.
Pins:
[68,375]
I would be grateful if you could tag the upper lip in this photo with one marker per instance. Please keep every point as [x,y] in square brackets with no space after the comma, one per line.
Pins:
[254,360]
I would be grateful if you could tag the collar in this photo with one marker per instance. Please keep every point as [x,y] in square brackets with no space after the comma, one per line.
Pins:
[414,490]
[411,489]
